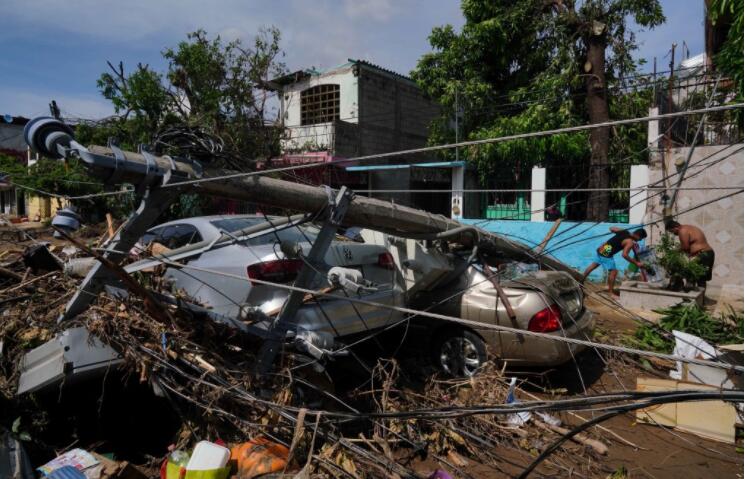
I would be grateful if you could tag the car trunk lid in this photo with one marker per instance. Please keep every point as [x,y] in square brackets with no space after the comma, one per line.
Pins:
[558,286]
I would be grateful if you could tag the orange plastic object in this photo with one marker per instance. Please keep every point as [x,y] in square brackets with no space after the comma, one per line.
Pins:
[258,456]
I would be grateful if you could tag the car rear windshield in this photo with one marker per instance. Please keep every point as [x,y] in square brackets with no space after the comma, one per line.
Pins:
[294,233]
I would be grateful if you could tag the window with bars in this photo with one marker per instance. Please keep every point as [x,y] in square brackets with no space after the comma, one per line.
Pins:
[319,104]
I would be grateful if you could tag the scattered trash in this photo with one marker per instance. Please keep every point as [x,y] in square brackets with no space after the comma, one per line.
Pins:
[258,456]
[715,420]
[208,456]
[67,472]
[70,251]
[79,267]
[14,462]
[207,461]
[520,418]
[78,459]
[39,258]
[692,347]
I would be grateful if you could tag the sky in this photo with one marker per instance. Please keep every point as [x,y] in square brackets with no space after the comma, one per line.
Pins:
[54,49]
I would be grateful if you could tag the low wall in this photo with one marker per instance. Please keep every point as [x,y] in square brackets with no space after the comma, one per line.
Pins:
[575,243]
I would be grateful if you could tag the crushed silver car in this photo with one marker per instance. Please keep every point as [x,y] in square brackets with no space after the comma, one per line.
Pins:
[226,260]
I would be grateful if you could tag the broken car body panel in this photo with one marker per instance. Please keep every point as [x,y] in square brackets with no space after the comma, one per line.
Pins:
[72,355]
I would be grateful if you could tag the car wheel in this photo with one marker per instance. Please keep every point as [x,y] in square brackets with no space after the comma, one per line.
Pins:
[459,352]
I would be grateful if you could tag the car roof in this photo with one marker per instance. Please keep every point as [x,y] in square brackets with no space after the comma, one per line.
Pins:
[204,220]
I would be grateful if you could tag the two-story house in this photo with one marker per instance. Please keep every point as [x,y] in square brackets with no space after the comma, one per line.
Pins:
[359,109]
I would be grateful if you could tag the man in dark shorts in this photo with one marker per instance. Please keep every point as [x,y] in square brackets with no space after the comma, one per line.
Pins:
[693,243]
[622,240]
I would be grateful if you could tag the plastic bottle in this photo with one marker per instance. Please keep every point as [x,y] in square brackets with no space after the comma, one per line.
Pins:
[179,458]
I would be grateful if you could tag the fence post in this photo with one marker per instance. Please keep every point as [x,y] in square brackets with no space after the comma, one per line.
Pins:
[456,195]
[638,193]
[538,198]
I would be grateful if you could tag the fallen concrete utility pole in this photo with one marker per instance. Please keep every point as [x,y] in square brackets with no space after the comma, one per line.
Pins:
[365,212]
[114,165]
[159,180]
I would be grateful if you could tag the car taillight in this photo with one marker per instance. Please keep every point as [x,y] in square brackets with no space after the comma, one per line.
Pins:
[546,320]
[385,260]
[277,271]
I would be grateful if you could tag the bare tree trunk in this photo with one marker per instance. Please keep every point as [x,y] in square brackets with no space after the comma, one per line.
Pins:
[597,108]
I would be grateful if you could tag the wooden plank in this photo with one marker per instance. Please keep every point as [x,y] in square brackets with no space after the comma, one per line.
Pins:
[661,414]
[549,235]
[110,225]
[708,419]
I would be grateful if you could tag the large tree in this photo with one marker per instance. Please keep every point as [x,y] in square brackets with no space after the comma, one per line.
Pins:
[526,65]
[730,59]
[211,104]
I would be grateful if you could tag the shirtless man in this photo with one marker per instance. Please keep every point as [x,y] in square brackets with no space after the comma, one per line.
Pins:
[622,240]
[693,243]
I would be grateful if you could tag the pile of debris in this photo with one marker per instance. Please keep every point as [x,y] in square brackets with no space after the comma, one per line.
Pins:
[204,370]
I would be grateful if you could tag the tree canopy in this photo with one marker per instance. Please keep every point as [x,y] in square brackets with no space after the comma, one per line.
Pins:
[730,59]
[527,65]
[210,104]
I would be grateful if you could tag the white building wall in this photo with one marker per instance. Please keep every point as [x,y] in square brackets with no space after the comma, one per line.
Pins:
[721,220]
[321,135]
[348,95]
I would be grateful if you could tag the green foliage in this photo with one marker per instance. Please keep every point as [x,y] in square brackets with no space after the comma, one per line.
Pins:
[186,206]
[517,67]
[730,59]
[212,90]
[66,178]
[22,435]
[690,318]
[677,264]
[63,178]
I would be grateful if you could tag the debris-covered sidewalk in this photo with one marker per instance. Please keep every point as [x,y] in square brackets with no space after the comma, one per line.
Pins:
[182,379]
[357,339]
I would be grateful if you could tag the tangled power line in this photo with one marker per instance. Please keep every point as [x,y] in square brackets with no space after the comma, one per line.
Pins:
[610,404]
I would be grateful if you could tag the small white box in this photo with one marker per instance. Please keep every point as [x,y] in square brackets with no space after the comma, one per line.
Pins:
[207,456]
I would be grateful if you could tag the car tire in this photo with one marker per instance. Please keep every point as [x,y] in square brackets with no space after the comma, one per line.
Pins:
[458,352]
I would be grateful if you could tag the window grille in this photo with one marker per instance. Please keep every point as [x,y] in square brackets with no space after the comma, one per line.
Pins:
[319,104]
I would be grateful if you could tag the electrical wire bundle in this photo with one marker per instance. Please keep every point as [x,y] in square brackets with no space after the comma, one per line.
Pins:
[196,143]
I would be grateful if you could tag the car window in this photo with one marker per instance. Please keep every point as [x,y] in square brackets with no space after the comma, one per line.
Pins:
[176,236]
[297,234]
[151,235]
[184,235]
[234,224]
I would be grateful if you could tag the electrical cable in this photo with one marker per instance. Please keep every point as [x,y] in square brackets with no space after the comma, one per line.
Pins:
[649,223]
[615,412]
[461,144]
[471,323]
[428,149]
